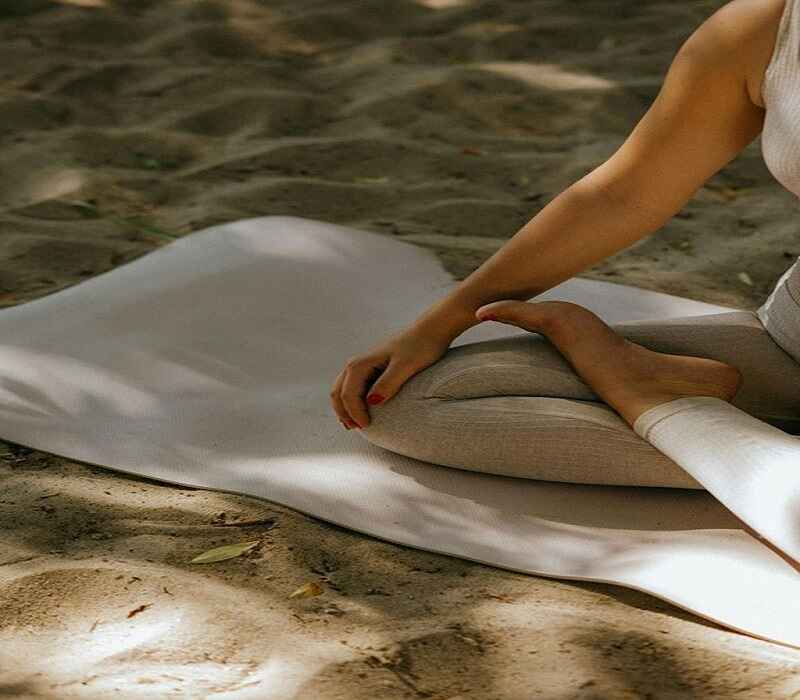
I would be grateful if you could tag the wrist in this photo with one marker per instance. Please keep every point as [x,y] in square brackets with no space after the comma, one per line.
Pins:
[447,320]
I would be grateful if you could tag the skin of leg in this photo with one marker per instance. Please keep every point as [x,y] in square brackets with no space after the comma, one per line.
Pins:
[628,376]
[768,373]
[515,406]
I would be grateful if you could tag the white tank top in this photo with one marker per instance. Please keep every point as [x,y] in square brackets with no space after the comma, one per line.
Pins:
[780,138]
[780,147]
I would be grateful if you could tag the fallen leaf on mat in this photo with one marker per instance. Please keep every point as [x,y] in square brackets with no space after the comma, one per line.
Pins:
[471,151]
[307,590]
[228,551]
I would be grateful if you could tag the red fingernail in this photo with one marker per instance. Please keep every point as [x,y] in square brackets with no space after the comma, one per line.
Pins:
[490,317]
[373,399]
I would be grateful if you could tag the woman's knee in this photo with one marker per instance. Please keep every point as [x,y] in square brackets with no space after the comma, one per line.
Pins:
[405,402]
[398,423]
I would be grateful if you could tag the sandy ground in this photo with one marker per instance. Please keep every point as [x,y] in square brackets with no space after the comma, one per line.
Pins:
[447,123]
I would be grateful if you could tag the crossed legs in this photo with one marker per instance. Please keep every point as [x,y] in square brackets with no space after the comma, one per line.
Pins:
[515,406]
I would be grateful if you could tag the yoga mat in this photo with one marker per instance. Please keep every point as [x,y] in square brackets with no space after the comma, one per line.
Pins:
[208,363]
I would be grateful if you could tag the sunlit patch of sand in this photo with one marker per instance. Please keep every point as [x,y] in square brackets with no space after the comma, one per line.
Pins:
[550,76]
[442,4]
[83,3]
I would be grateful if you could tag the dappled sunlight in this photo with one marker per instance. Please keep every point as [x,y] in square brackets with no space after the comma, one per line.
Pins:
[263,28]
[550,76]
[444,4]
[481,30]
[308,483]
[790,688]
[274,437]
[72,385]
[11,548]
[83,3]
[140,636]
[42,184]
[280,676]
[296,245]
[192,384]
[116,637]
[243,14]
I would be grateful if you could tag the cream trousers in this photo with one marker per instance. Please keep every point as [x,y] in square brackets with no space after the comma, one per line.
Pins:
[514,406]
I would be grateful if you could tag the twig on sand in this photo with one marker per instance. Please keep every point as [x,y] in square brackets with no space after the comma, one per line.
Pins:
[133,221]
[247,523]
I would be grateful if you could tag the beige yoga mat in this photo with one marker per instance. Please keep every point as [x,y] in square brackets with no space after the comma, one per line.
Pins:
[208,363]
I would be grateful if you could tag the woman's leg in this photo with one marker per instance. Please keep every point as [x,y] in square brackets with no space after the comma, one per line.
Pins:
[515,406]
[679,404]
[749,466]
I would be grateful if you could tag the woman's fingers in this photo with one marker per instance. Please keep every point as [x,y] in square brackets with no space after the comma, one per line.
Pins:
[375,377]
[336,401]
[356,378]
[388,383]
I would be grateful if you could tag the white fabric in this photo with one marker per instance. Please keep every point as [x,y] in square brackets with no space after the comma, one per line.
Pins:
[748,465]
[780,147]
[780,138]
[208,363]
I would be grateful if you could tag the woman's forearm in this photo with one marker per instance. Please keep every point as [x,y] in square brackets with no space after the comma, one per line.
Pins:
[586,223]
[702,117]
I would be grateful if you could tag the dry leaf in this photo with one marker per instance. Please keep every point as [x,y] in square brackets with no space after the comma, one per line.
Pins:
[136,611]
[727,193]
[307,591]
[245,523]
[470,151]
[228,551]
[372,180]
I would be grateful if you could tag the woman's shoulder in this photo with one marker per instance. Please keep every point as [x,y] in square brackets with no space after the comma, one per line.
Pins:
[741,35]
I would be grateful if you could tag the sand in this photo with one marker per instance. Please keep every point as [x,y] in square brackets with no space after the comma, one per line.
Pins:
[446,123]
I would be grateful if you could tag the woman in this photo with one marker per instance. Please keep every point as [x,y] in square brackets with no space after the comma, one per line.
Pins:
[582,402]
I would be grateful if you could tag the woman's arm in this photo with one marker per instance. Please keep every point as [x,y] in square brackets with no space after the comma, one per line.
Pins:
[706,112]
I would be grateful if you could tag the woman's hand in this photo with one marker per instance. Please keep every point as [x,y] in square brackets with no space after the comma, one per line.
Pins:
[382,371]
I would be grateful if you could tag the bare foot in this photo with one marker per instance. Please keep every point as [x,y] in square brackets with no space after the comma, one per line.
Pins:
[627,376]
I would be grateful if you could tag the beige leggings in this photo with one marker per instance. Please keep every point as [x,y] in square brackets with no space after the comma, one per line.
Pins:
[514,406]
